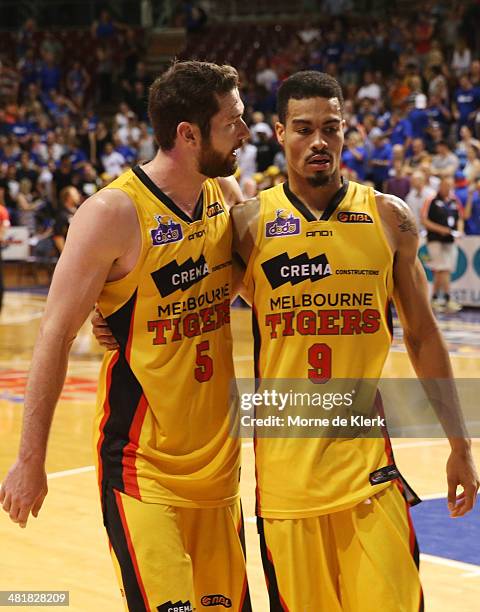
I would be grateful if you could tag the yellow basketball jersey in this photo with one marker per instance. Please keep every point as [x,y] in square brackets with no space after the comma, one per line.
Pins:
[162,422]
[321,311]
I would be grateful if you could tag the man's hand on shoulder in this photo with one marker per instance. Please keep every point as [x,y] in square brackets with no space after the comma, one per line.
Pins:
[245,227]
[231,190]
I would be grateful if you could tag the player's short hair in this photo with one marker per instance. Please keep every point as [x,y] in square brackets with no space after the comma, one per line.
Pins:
[187,91]
[307,84]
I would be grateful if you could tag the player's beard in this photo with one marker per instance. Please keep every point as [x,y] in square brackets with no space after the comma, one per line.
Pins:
[212,163]
[320,179]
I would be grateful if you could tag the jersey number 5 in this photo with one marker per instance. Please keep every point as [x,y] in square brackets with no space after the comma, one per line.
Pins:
[204,362]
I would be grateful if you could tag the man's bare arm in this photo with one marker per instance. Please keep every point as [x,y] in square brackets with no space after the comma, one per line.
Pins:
[231,190]
[427,350]
[90,251]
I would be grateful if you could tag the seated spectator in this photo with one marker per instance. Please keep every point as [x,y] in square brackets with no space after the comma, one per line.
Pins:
[77,82]
[129,134]
[472,209]
[398,183]
[369,88]
[431,180]
[419,193]
[27,169]
[101,137]
[247,161]
[472,165]
[9,81]
[418,155]
[475,73]
[62,177]
[89,182]
[113,162]
[128,151]
[146,144]
[121,117]
[50,45]
[438,85]
[69,199]
[259,125]
[461,59]
[266,76]
[466,140]
[444,162]
[266,149]
[27,204]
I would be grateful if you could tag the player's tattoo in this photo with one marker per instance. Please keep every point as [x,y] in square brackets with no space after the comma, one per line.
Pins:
[406,222]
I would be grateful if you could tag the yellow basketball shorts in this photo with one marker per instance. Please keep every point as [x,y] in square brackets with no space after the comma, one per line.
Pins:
[357,560]
[172,559]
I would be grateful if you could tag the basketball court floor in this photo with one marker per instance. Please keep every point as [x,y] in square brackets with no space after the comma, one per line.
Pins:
[66,548]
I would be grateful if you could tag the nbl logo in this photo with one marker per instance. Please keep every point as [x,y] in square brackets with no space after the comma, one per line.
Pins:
[354,217]
[214,209]
[167,231]
[216,600]
[284,225]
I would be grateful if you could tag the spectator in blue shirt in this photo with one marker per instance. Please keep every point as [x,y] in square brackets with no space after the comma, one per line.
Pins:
[461,187]
[49,74]
[418,116]
[438,112]
[354,154]
[466,103]
[333,50]
[381,158]
[400,131]
[472,209]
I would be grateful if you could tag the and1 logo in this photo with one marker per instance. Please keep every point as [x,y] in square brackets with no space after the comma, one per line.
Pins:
[285,224]
[354,217]
[178,606]
[281,269]
[216,600]
[167,231]
[214,209]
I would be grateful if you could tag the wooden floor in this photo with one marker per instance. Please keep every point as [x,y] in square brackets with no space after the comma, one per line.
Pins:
[66,549]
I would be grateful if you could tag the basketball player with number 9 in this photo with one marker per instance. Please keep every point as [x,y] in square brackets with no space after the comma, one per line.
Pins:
[324,259]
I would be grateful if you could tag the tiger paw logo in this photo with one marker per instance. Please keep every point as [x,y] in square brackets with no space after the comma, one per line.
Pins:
[167,231]
[216,600]
[285,224]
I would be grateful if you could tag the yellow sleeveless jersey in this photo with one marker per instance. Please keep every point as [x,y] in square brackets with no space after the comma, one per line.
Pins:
[321,292]
[162,422]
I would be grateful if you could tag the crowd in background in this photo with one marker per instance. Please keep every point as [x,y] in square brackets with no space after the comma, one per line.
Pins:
[412,110]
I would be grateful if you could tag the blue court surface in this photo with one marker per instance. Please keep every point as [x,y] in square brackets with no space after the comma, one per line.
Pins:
[442,536]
